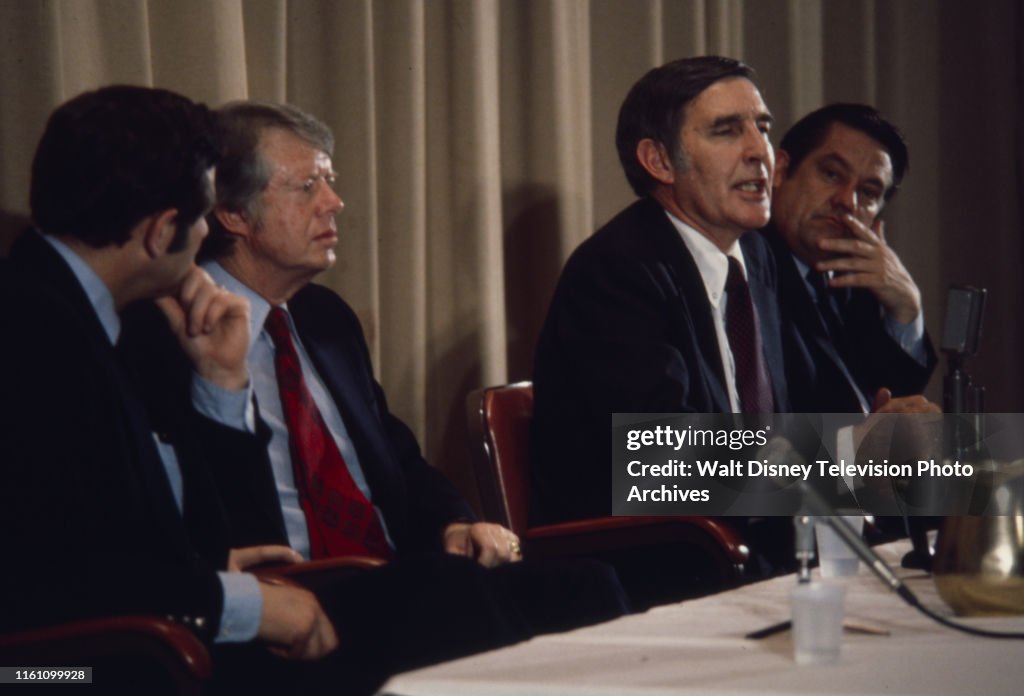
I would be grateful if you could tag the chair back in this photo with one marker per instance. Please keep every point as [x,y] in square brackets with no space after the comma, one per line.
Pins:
[499,431]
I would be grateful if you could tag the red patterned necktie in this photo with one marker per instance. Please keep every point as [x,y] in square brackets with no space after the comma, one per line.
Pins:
[341,520]
[744,336]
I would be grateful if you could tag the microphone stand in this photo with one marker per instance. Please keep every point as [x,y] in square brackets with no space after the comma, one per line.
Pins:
[816,506]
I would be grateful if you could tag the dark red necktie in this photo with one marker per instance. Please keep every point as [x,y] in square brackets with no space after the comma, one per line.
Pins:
[341,520]
[744,336]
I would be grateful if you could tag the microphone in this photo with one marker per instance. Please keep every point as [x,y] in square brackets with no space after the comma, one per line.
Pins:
[780,450]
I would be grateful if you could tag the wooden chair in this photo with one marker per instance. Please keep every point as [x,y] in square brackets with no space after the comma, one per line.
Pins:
[499,419]
[167,653]
[156,652]
[318,574]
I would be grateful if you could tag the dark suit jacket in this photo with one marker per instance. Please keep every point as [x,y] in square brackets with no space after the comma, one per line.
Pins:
[629,330]
[416,500]
[820,372]
[88,522]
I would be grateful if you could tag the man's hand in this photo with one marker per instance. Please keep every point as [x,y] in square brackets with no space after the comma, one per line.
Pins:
[866,261]
[212,326]
[899,428]
[490,544]
[885,403]
[246,557]
[294,624]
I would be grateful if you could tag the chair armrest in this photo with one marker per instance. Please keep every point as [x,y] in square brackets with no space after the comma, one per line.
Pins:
[601,533]
[169,645]
[321,573]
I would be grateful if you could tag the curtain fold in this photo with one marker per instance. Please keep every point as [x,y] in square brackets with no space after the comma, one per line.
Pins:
[475,143]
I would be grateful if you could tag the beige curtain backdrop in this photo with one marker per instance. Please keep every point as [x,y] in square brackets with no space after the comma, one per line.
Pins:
[475,143]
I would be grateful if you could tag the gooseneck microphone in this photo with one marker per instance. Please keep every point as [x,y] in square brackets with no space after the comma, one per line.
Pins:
[780,450]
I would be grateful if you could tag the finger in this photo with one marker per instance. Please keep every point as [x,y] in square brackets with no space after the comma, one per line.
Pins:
[913,404]
[859,229]
[199,308]
[269,553]
[882,397]
[278,650]
[193,282]
[455,546]
[909,404]
[490,557]
[847,264]
[301,646]
[854,280]
[216,309]
[879,229]
[211,304]
[322,639]
[456,539]
[173,311]
[328,636]
[850,247]
[491,544]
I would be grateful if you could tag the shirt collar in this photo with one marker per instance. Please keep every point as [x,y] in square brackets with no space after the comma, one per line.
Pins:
[259,308]
[804,270]
[711,262]
[95,289]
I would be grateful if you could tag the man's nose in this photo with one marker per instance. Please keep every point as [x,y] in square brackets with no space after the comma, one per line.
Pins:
[756,146]
[330,200]
[845,197]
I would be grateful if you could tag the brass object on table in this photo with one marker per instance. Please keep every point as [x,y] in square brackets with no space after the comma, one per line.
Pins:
[979,560]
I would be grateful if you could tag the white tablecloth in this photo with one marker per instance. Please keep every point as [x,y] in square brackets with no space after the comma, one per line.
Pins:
[697,647]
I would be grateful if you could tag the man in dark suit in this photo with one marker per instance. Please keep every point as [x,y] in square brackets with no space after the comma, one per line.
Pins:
[340,474]
[639,321]
[853,320]
[853,323]
[98,515]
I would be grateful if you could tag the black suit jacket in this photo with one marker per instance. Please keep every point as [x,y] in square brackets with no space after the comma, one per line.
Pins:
[416,500]
[88,522]
[821,373]
[630,329]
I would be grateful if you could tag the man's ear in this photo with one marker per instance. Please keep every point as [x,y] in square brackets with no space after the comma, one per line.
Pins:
[233,221]
[781,167]
[158,232]
[655,161]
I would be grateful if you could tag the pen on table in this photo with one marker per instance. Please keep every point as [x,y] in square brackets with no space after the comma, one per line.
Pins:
[851,625]
[769,630]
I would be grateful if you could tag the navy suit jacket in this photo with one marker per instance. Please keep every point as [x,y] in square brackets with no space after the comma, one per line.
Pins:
[88,522]
[821,373]
[416,500]
[630,329]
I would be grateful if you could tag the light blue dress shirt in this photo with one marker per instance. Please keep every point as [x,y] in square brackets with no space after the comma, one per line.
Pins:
[264,382]
[243,604]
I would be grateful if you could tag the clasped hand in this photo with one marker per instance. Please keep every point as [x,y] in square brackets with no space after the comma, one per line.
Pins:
[490,544]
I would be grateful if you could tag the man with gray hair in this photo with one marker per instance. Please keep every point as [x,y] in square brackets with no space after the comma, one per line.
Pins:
[669,307]
[342,475]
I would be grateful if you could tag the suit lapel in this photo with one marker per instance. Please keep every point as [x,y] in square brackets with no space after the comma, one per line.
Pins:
[803,312]
[694,300]
[48,266]
[764,292]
